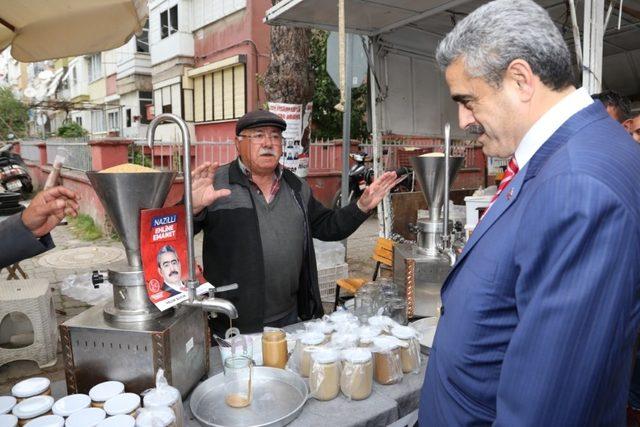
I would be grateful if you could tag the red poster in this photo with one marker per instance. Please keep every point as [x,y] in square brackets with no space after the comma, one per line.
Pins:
[163,247]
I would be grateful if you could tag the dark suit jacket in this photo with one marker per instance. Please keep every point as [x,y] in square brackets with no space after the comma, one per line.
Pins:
[541,309]
[18,243]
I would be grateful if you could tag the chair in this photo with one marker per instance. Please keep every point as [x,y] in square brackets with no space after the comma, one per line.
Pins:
[382,254]
[28,327]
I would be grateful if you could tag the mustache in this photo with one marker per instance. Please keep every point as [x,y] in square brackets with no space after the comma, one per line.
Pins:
[267,151]
[173,273]
[475,129]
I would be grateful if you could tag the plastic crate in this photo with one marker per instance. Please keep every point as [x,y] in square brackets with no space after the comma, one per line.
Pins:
[327,278]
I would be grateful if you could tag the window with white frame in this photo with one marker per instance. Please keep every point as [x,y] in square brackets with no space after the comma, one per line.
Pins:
[220,95]
[142,41]
[95,67]
[97,121]
[169,22]
[113,119]
[79,120]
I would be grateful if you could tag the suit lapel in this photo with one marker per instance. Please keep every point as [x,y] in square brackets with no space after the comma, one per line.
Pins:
[585,116]
[502,203]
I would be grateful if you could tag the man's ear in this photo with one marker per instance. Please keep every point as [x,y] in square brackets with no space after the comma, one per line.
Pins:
[520,77]
[627,125]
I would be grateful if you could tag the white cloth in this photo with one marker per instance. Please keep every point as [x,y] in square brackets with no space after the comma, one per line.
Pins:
[549,123]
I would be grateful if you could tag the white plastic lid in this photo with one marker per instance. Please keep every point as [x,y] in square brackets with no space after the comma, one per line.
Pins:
[166,396]
[380,321]
[387,343]
[118,421]
[6,404]
[106,390]
[87,417]
[325,355]
[33,406]
[124,403]
[356,355]
[320,326]
[341,316]
[404,332]
[31,387]
[70,404]
[312,338]
[46,421]
[8,420]
[369,332]
[160,416]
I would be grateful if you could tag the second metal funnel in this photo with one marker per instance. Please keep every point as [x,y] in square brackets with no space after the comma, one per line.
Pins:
[430,170]
[123,195]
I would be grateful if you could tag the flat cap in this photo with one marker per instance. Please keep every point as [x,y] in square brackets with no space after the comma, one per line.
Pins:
[259,118]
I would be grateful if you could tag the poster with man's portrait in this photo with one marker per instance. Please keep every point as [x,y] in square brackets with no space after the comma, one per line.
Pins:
[163,248]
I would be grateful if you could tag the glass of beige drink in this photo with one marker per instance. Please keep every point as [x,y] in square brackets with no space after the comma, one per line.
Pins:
[237,381]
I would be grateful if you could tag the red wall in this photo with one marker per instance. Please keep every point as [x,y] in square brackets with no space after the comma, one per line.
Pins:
[242,33]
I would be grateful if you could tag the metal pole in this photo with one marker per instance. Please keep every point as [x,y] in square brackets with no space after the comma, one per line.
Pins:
[346,123]
[593,30]
[447,171]
[192,281]
[375,134]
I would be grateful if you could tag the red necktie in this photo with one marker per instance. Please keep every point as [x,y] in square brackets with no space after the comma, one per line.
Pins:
[512,170]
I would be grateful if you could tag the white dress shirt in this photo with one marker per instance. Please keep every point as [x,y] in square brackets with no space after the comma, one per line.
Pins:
[549,123]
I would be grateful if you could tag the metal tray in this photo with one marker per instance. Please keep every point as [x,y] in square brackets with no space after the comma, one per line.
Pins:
[278,398]
[427,328]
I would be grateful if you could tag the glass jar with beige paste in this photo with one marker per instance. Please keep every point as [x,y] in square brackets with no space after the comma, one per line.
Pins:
[387,361]
[410,350]
[356,379]
[274,348]
[308,343]
[324,378]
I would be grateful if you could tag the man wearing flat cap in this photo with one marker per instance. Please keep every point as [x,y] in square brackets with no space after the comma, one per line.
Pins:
[258,221]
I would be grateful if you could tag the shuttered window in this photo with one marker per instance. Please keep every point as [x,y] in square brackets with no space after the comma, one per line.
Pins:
[219,95]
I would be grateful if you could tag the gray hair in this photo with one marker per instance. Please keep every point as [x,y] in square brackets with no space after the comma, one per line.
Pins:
[497,33]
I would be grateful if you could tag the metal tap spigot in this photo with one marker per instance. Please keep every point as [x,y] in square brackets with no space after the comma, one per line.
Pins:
[210,304]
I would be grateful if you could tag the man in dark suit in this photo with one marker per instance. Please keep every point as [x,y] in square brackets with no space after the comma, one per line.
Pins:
[541,310]
[170,270]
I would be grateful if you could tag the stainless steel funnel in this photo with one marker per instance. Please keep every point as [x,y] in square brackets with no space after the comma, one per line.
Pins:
[123,195]
[430,171]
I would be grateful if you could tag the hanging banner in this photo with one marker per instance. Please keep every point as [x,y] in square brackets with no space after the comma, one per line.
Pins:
[296,138]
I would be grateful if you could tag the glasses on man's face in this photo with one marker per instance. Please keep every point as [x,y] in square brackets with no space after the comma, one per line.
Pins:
[260,137]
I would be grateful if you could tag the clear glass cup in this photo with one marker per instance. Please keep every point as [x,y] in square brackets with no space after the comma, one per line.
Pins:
[238,372]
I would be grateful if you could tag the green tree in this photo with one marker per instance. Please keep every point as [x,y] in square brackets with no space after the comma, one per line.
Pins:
[14,115]
[71,130]
[326,120]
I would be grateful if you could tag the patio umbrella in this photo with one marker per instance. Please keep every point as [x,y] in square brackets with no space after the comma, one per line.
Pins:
[48,29]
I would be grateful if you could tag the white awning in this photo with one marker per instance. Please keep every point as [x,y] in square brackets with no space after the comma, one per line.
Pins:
[46,29]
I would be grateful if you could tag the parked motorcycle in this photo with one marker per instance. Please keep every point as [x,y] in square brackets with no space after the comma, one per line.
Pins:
[361,175]
[14,174]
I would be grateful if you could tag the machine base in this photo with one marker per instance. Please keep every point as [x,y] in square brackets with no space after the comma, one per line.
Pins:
[420,275]
[95,350]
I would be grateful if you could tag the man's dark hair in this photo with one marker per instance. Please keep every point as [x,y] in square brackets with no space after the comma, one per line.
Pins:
[613,99]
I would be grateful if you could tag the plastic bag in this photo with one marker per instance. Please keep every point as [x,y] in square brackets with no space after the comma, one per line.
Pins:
[366,334]
[387,360]
[306,343]
[165,395]
[160,416]
[241,345]
[356,378]
[409,355]
[343,340]
[91,288]
[324,378]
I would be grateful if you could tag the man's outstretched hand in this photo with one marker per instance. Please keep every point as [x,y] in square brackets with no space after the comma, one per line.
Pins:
[376,191]
[48,208]
[203,193]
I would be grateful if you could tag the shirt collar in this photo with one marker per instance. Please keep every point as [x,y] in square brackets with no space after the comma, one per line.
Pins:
[550,122]
[247,172]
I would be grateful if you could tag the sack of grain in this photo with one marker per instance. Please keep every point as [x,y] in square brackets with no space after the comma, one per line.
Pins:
[128,168]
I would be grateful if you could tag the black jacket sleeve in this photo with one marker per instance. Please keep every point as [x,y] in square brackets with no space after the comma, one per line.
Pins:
[329,224]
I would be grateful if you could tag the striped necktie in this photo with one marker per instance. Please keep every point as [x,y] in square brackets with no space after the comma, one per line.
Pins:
[512,170]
